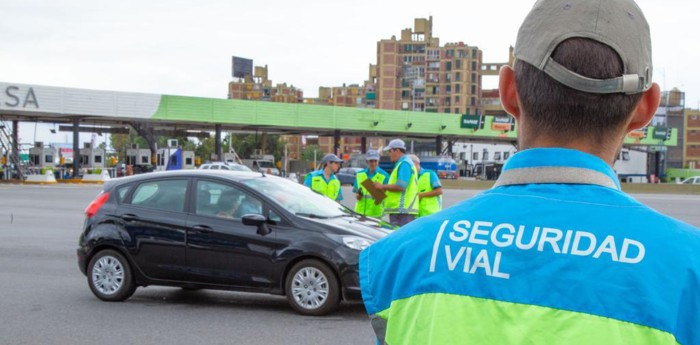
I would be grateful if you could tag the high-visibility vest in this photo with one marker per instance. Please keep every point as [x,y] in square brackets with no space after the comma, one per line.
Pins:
[429,205]
[405,202]
[366,205]
[330,189]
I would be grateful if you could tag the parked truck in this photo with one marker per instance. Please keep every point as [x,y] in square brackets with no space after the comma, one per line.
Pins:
[263,163]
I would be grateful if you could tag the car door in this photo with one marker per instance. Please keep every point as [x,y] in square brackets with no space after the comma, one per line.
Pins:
[220,249]
[154,217]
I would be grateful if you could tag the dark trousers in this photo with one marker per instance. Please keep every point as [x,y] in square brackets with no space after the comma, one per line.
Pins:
[401,219]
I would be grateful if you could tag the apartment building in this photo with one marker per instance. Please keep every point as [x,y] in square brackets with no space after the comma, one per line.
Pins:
[671,114]
[691,148]
[415,73]
[258,87]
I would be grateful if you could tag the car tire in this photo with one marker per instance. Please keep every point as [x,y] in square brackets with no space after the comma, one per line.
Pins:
[109,276]
[312,288]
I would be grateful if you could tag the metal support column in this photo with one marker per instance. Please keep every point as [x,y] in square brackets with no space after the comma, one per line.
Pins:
[438,145]
[15,147]
[217,143]
[336,142]
[76,148]
[363,144]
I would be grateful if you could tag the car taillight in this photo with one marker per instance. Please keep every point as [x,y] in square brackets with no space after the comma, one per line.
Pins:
[95,205]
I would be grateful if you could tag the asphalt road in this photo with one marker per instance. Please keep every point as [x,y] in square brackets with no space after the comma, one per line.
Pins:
[44,299]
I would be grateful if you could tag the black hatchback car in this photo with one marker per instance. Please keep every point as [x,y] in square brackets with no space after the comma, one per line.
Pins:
[224,230]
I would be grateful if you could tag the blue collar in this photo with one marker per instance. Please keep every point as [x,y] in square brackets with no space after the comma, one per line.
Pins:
[557,165]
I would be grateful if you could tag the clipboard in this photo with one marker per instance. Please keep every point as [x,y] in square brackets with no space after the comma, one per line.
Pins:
[377,194]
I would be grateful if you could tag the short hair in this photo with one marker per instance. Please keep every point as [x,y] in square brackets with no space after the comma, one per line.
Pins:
[562,112]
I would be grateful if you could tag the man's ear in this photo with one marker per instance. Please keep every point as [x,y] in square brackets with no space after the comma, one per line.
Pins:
[508,92]
[645,109]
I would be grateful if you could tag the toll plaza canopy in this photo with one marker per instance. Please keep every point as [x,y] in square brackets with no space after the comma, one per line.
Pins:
[40,103]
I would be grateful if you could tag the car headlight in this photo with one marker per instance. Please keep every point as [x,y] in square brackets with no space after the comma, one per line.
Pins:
[357,243]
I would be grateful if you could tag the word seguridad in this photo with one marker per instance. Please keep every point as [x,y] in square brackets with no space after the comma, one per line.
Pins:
[467,234]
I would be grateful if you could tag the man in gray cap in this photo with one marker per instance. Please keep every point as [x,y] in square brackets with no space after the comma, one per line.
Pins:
[555,253]
[401,203]
[365,202]
[323,181]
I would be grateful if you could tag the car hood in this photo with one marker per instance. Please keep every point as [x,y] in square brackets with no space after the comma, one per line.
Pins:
[353,225]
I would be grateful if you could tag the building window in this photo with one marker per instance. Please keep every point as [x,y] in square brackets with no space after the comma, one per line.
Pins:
[506,155]
[458,88]
[497,156]
[458,76]
[457,99]
[448,88]
[473,65]
[448,65]
[473,101]
[473,78]
[473,89]
[458,64]
[486,155]
[456,110]
[473,53]
[475,156]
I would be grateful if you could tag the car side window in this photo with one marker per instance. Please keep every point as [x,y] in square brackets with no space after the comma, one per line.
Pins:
[274,217]
[224,201]
[167,195]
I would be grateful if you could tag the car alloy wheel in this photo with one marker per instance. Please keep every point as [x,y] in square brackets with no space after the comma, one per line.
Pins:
[312,288]
[109,276]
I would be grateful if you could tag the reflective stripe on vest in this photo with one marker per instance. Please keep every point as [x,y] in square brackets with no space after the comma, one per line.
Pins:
[330,189]
[366,205]
[407,200]
[430,204]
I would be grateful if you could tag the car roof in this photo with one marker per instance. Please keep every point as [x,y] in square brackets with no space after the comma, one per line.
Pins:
[232,175]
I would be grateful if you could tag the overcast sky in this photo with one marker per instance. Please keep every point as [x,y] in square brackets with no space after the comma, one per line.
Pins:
[183,47]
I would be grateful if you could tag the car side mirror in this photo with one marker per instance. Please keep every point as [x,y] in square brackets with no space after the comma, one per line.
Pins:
[257,220]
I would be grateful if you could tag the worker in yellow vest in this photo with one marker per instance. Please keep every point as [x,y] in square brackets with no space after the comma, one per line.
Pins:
[365,202]
[429,190]
[323,181]
[401,203]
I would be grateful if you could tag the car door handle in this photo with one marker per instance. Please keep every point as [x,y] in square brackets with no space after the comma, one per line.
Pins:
[202,229]
[129,217]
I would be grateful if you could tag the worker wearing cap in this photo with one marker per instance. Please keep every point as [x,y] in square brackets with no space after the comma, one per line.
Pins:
[365,202]
[429,190]
[555,252]
[401,203]
[323,181]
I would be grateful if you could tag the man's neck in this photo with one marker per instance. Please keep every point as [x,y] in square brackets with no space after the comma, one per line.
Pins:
[606,152]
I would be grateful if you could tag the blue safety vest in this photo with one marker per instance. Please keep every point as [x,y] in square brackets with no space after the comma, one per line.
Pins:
[555,253]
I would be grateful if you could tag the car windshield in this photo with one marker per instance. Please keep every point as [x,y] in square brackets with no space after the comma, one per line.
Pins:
[238,167]
[265,164]
[296,198]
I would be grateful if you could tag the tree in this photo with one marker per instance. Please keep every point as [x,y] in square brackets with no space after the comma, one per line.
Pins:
[308,153]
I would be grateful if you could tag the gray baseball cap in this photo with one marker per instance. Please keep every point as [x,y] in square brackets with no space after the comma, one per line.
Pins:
[330,158]
[619,24]
[395,144]
[372,155]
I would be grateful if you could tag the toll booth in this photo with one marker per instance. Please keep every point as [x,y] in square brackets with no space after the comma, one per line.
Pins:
[92,158]
[41,156]
[43,164]
[136,156]
[174,158]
